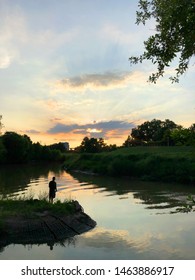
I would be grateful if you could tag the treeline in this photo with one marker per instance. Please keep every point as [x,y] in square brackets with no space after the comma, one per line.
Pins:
[94,145]
[162,133]
[16,148]
[150,133]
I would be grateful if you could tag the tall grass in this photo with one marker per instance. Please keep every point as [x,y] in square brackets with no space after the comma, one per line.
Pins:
[170,164]
[30,208]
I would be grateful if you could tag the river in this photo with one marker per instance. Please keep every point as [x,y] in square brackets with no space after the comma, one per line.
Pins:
[135,219]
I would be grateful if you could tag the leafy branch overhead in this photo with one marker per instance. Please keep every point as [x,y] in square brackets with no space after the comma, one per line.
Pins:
[174,35]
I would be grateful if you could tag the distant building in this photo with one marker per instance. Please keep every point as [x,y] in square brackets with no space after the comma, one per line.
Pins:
[66,146]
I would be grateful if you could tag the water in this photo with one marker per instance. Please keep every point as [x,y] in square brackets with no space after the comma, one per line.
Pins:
[135,219]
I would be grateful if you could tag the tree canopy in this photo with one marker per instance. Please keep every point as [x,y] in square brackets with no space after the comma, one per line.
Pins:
[174,35]
[153,131]
[161,132]
[92,145]
[16,148]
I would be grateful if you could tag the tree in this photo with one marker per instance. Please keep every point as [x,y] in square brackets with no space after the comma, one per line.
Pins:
[192,128]
[92,145]
[183,136]
[2,151]
[58,146]
[130,142]
[154,131]
[174,35]
[17,147]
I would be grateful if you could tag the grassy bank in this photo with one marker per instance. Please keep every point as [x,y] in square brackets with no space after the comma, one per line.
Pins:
[170,164]
[30,208]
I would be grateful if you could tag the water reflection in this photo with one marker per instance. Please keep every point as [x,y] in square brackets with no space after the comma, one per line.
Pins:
[51,244]
[154,195]
[14,178]
[125,210]
[171,243]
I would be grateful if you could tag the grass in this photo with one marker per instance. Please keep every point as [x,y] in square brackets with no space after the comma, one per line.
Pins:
[170,164]
[29,208]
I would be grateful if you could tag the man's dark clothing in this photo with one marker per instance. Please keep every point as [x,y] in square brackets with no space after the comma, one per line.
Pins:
[52,189]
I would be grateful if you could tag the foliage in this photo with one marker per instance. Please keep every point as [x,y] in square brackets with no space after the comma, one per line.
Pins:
[157,132]
[2,151]
[16,148]
[30,207]
[170,164]
[183,136]
[92,145]
[174,35]
[58,146]
[131,142]
[154,131]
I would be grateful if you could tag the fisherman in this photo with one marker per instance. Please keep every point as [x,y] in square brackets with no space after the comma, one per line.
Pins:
[52,189]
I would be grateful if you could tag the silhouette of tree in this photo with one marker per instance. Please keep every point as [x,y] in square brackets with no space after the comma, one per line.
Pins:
[154,131]
[17,147]
[92,145]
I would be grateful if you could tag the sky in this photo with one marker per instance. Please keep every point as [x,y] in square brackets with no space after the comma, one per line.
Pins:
[65,72]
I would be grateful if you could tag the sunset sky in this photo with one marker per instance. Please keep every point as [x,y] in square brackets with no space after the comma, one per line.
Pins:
[65,73]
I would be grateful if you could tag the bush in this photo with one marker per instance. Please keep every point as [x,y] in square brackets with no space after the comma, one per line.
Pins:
[122,167]
[168,164]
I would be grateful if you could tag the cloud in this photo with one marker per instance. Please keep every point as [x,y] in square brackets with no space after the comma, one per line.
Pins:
[32,131]
[5,59]
[100,126]
[96,81]
[63,128]
[111,125]
[128,246]
[29,43]
[105,129]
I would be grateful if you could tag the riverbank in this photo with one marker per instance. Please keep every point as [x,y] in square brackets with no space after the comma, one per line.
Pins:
[166,164]
[35,221]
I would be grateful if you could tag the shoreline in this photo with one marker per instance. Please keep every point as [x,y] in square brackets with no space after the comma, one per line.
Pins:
[162,164]
[44,227]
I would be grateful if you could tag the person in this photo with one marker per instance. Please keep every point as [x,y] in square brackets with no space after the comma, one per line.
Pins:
[52,189]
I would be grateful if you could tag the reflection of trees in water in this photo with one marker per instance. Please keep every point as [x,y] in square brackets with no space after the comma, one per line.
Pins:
[63,243]
[17,177]
[158,200]
[71,241]
[175,200]
[153,194]
[51,244]
[1,249]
